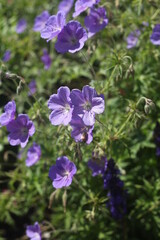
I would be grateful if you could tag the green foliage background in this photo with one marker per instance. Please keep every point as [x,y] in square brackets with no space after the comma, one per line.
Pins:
[124,131]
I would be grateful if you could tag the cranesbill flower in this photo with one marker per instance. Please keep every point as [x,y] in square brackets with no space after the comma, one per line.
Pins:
[7,55]
[61,107]
[21,26]
[34,232]
[132,39]
[33,155]
[62,172]
[71,38]
[9,113]
[46,59]
[81,132]
[98,165]
[53,26]
[155,37]
[96,21]
[32,87]
[82,5]
[20,130]
[40,21]
[65,6]
[87,103]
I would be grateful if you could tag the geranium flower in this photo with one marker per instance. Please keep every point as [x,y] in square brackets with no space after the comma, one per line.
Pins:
[53,26]
[7,55]
[40,21]
[87,103]
[96,20]
[33,155]
[46,59]
[71,38]
[9,113]
[34,232]
[81,132]
[20,130]
[65,6]
[62,172]
[132,39]
[155,37]
[61,107]
[82,5]
[21,26]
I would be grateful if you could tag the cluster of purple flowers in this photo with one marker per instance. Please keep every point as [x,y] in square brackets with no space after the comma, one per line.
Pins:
[71,36]
[77,108]
[116,193]
[20,128]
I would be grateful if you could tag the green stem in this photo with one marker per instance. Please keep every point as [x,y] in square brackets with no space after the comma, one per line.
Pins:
[90,66]
[124,124]
[77,182]
[101,123]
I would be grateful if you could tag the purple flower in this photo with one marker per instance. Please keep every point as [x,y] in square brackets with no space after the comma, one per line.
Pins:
[96,20]
[53,26]
[33,155]
[7,55]
[9,113]
[46,59]
[81,132]
[87,103]
[21,26]
[34,231]
[98,165]
[132,39]
[61,107]
[40,21]
[82,5]
[32,87]
[62,173]
[20,130]
[117,195]
[71,38]
[155,37]
[65,6]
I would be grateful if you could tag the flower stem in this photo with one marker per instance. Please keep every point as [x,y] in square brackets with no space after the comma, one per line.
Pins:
[123,126]
[83,190]
[90,66]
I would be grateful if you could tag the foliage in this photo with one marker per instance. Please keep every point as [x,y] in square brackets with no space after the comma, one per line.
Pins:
[129,80]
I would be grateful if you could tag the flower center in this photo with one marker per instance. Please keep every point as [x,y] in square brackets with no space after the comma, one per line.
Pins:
[24,131]
[67,107]
[73,40]
[87,106]
[67,173]
[101,20]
